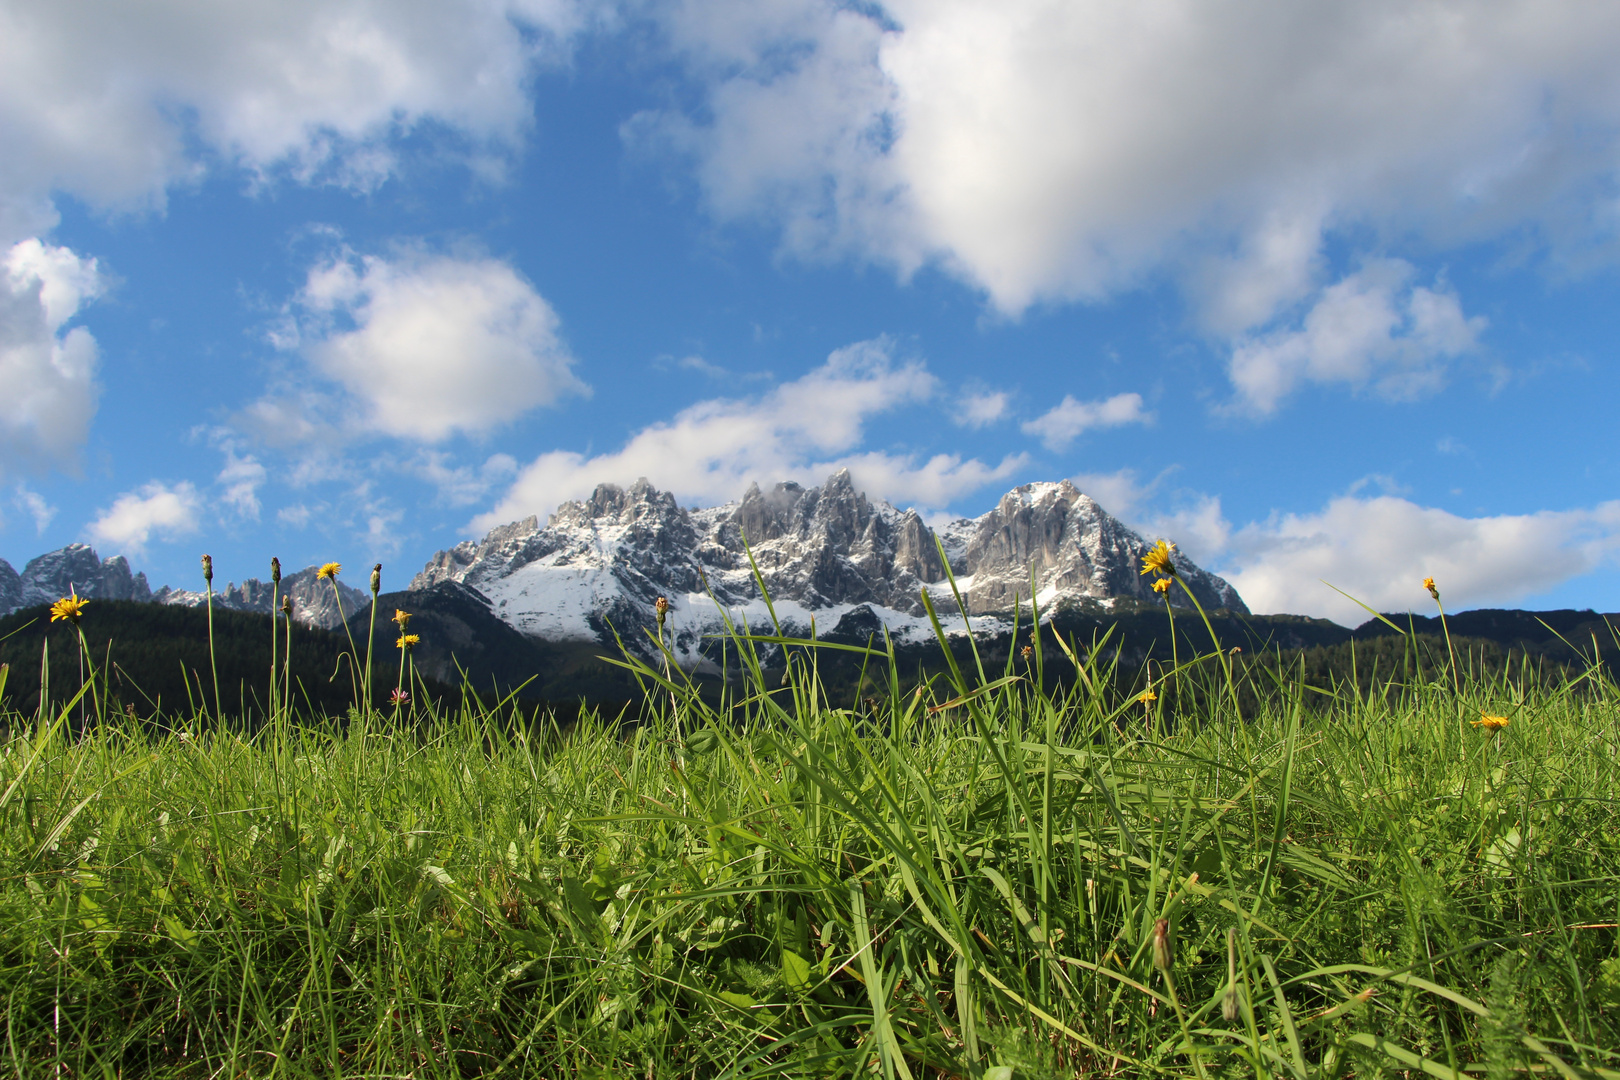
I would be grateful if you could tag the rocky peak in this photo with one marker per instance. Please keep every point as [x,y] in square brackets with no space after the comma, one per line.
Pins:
[314,604]
[77,568]
[602,560]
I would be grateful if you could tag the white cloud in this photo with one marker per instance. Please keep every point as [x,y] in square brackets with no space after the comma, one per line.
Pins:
[155,509]
[1372,329]
[47,373]
[35,505]
[438,344]
[1069,419]
[1377,548]
[980,408]
[1062,149]
[115,102]
[802,430]
[1380,549]
[241,477]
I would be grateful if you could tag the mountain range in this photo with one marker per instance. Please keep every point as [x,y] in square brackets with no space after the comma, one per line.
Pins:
[78,569]
[828,557]
[824,555]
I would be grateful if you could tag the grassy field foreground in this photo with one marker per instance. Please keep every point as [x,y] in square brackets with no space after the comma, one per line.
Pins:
[966,880]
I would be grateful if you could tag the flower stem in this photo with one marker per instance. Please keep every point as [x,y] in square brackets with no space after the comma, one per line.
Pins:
[212,664]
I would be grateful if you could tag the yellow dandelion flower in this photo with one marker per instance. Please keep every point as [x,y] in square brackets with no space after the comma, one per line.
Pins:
[330,570]
[402,618]
[406,641]
[1161,586]
[1157,559]
[1428,583]
[69,608]
[1147,696]
[1491,723]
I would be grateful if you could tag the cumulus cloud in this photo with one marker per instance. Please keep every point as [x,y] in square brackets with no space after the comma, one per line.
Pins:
[802,430]
[1377,548]
[428,345]
[114,102]
[1069,419]
[1380,549]
[1373,329]
[1064,149]
[165,511]
[48,391]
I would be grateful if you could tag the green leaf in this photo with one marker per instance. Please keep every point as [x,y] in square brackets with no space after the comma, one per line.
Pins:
[703,741]
[795,970]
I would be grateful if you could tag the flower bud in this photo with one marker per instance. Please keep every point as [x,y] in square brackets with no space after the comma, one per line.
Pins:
[376,580]
[286,605]
[275,570]
[208,568]
[1161,944]
[661,606]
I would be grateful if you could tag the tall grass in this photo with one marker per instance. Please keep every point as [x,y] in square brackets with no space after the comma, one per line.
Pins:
[978,876]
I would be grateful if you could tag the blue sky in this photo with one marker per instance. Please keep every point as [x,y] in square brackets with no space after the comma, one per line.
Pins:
[1316,292]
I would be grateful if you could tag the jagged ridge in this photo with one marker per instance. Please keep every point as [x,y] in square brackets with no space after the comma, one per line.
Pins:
[824,553]
[77,568]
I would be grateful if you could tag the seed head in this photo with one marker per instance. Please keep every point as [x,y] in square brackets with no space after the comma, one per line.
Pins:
[275,570]
[208,568]
[70,607]
[376,580]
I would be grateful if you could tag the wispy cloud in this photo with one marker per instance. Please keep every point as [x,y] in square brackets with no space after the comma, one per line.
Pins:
[36,507]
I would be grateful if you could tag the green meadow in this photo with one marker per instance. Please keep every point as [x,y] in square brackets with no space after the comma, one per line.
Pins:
[1044,869]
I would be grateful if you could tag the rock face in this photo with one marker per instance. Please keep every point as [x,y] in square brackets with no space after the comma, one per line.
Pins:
[75,568]
[11,590]
[1077,549]
[824,553]
[313,602]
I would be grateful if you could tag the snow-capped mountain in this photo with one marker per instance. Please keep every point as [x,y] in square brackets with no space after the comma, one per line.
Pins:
[77,568]
[824,553]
